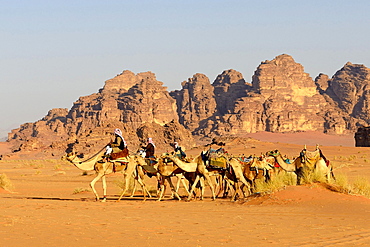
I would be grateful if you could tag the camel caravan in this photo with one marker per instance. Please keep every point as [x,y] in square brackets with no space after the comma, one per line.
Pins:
[226,175]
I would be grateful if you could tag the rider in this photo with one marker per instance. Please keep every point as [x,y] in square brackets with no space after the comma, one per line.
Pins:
[178,150]
[117,146]
[149,149]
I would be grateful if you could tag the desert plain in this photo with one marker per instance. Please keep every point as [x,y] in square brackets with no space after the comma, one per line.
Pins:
[50,204]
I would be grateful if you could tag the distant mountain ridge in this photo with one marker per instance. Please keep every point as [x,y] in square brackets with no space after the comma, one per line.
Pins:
[280,98]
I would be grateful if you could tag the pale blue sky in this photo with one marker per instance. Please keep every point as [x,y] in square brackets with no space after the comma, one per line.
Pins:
[52,52]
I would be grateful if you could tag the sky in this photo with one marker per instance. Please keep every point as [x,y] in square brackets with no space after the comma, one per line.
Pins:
[53,52]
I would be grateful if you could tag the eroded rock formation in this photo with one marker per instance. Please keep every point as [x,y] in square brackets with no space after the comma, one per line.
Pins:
[280,98]
[137,104]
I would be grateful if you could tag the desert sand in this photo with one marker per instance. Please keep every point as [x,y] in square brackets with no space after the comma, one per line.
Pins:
[44,210]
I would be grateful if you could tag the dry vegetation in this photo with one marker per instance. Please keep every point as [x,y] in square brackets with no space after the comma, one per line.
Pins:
[360,186]
[5,183]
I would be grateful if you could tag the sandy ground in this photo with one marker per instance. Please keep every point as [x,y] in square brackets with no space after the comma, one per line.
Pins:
[43,209]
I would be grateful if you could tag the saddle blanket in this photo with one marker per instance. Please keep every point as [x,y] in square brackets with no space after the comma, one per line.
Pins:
[219,162]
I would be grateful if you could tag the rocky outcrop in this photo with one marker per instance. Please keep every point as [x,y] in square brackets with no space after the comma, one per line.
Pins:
[195,102]
[228,88]
[128,101]
[280,98]
[362,137]
[349,88]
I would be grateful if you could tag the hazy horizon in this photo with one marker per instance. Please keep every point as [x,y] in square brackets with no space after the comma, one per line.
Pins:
[53,52]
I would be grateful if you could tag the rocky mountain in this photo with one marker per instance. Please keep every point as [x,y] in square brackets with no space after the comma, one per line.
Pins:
[137,104]
[280,98]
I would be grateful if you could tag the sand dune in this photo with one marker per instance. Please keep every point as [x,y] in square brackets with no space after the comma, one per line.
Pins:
[44,211]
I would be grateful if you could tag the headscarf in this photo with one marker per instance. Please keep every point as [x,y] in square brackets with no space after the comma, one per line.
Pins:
[150,140]
[119,133]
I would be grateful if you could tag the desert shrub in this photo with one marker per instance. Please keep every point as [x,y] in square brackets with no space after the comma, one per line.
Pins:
[121,184]
[5,182]
[37,165]
[315,176]
[277,183]
[352,157]
[57,167]
[342,181]
[318,177]
[81,190]
[361,186]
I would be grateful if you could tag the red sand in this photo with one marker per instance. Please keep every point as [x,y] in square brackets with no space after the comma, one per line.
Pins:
[43,211]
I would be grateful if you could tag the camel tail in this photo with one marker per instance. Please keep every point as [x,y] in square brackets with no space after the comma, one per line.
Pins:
[332,174]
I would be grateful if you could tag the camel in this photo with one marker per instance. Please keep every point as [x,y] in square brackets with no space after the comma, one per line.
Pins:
[201,170]
[163,171]
[306,162]
[166,171]
[258,168]
[185,170]
[102,168]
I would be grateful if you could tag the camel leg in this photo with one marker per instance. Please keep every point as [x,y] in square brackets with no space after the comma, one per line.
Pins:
[134,188]
[246,184]
[159,181]
[173,188]
[162,188]
[143,187]
[226,185]
[193,187]
[130,171]
[299,174]
[126,179]
[184,183]
[218,186]
[92,185]
[179,180]
[236,190]
[208,179]
[202,188]
[104,188]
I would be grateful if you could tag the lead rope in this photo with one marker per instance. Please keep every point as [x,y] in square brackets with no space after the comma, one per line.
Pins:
[90,158]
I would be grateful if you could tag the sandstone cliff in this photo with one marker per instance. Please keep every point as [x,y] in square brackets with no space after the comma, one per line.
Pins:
[137,104]
[280,98]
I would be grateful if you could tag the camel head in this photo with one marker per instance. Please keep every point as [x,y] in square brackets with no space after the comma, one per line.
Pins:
[273,153]
[138,159]
[69,156]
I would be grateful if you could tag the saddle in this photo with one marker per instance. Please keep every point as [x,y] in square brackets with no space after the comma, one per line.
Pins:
[149,170]
[311,158]
[260,164]
[119,166]
[149,167]
[216,161]
[122,154]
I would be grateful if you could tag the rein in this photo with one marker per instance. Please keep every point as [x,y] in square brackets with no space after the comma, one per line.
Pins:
[90,158]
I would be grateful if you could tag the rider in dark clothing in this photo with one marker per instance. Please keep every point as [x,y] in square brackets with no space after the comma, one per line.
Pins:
[178,150]
[149,149]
